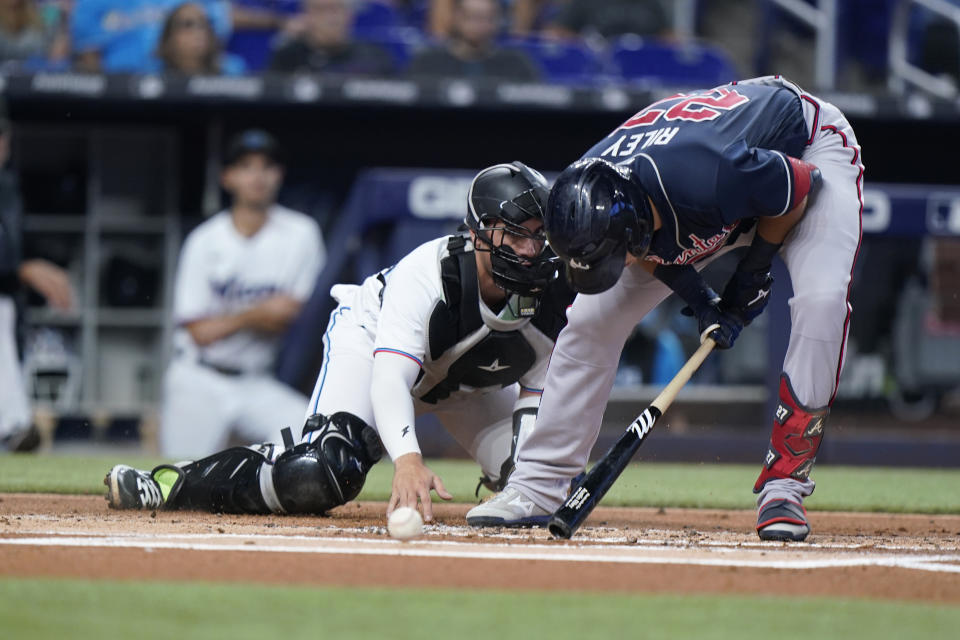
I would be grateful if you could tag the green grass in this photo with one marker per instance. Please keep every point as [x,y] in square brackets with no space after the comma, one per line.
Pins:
[645,484]
[90,609]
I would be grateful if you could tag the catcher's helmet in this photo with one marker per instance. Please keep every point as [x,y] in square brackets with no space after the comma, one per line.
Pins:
[505,196]
[596,213]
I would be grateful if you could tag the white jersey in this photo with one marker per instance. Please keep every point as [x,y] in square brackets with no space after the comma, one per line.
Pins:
[417,338]
[223,272]
[458,343]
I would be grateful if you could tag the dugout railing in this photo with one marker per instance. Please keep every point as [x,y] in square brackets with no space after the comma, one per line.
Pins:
[903,72]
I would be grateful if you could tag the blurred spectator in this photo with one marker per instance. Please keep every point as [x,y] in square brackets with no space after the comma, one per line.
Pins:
[528,16]
[610,18]
[326,44]
[16,431]
[525,16]
[29,32]
[122,35]
[471,50]
[189,45]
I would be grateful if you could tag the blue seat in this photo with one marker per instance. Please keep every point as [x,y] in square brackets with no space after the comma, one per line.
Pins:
[255,45]
[688,65]
[375,16]
[560,61]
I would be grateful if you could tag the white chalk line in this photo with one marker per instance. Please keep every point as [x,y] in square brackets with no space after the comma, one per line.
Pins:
[504,539]
[659,538]
[453,549]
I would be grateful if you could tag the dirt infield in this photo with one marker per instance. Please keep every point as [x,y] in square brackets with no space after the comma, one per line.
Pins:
[908,557]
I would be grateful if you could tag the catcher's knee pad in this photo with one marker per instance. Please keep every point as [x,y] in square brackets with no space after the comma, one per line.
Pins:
[797,432]
[328,469]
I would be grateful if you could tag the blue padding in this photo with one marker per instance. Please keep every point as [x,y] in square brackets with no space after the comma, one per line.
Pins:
[420,204]
[374,16]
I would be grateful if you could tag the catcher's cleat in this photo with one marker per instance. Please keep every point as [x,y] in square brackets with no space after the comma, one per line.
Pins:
[783,520]
[509,508]
[129,488]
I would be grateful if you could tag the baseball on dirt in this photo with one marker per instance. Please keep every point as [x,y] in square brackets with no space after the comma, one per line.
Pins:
[405,524]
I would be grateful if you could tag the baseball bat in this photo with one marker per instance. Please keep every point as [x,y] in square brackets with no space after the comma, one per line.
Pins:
[595,484]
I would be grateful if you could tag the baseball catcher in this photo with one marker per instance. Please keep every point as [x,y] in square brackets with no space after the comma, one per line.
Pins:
[462,327]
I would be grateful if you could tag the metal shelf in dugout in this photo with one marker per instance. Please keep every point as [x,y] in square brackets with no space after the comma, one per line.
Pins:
[102,203]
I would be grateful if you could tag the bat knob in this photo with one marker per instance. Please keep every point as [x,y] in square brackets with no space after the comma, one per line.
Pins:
[559,528]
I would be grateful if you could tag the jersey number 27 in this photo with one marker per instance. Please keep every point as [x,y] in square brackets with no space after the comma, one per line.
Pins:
[697,107]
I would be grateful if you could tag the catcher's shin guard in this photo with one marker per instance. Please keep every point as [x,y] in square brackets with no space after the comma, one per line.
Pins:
[797,432]
[226,482]
[311,477]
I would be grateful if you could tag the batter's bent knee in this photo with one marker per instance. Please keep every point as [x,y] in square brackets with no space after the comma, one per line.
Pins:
[820,315]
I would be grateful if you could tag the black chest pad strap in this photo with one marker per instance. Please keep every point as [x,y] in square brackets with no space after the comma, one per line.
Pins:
[459,314]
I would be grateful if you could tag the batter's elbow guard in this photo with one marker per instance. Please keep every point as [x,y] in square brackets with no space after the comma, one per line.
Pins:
[797,432]
[805,178]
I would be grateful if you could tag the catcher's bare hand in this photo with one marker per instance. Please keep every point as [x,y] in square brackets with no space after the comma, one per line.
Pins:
[412,481]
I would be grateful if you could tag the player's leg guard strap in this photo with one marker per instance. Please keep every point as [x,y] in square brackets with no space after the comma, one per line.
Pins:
[797,432]
[226,482]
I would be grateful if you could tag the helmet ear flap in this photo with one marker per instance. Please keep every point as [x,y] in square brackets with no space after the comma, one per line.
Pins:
[640,225]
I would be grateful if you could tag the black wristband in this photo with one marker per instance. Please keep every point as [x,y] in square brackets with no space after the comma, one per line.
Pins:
[760,255]
[687,283]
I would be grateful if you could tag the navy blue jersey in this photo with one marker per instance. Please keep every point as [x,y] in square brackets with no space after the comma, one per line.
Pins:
[711,160]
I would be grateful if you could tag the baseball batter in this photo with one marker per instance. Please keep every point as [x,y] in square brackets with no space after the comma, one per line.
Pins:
[242,277]
[758,164]
[462,327]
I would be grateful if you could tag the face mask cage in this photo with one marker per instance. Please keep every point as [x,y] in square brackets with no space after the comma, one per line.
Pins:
[521,275]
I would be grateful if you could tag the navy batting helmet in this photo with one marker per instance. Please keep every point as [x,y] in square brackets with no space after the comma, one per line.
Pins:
[596,213]
[505,196]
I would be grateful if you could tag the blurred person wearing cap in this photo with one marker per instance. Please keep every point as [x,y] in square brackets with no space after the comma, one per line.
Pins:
[242,277]
[44,277]
[326,44]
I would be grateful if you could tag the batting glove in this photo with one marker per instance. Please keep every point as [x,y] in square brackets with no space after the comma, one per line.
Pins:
[747,294]
[715,323]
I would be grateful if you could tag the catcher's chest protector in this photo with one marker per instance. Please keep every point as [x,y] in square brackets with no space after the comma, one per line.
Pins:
[466,352]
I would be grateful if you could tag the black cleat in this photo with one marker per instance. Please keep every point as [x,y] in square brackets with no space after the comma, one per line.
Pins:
[129,488]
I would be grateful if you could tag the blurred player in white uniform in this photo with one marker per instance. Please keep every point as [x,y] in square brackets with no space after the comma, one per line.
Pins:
[242,278]
[462,327]
[47,279]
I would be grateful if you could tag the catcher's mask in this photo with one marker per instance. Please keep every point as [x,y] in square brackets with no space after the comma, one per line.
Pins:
[501,199]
